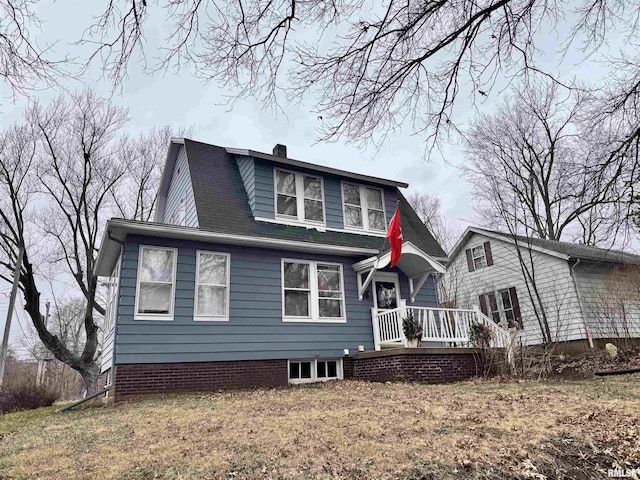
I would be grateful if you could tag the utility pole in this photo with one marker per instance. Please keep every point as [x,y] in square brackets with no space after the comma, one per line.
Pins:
[43,361]
[12,302]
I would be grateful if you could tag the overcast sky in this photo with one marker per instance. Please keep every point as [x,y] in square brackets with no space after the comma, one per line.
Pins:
[180,100]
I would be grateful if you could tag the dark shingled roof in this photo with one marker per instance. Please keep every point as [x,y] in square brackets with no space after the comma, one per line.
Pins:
[576,250]
[223,207]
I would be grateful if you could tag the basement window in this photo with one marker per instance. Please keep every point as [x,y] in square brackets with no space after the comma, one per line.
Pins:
[319,370]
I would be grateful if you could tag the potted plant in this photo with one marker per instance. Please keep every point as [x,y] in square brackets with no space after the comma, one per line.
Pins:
[412,330]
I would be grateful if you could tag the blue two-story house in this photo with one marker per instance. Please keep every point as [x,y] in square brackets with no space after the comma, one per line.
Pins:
[258,270]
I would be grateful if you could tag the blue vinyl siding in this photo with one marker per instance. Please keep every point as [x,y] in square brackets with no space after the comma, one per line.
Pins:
[260,190]
[181,186]
[246,166]
[264,190]
[255,329]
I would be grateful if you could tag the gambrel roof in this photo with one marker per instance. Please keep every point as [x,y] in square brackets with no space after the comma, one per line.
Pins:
[223,207]
[224,213]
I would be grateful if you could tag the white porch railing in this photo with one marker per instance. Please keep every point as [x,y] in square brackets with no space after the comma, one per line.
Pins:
[450,326]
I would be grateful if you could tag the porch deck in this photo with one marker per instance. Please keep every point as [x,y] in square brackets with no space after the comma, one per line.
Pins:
[441,327]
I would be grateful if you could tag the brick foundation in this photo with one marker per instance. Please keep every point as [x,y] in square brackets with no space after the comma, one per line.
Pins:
[134,380]
[347,367]
[432,365]
[428,365]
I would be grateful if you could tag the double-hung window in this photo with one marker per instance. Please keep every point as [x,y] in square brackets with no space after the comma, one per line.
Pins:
[479,257]
[156,287]
[312,291]
[299,197]
[112,298]
[494,309]
[363,207]
[212,286]
[502,307]
[507,307]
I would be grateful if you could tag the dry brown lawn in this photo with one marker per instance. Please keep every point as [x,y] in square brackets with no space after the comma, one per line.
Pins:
[339,430]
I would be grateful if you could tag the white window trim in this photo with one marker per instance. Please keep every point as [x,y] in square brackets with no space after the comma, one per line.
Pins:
[299,219]
[364,207]
[474,258]
[314,370]
[212,318]
[314,308]
[155,316]
[112,297]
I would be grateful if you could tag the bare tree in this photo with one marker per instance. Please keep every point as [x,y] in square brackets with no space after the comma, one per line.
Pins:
[371,66]
[135,196]
[58,171]
[429,209]
[533,164]
[24,64]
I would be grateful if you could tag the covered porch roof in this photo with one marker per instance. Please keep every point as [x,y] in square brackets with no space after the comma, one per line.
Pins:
[416,265]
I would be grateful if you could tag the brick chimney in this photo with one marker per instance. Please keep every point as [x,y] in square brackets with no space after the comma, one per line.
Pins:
[280,151]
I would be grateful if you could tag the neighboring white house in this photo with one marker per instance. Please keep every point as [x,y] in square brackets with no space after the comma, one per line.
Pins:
[571,291]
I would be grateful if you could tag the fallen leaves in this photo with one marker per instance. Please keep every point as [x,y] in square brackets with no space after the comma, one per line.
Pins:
[340,430]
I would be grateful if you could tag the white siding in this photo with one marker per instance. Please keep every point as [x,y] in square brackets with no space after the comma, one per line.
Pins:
[180,188]
[610,297]
[553,280]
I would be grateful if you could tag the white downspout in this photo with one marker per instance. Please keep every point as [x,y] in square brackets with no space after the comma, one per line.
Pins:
[584,319]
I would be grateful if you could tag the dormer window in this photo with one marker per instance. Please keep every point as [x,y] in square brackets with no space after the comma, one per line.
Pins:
[299,197]
[363,207]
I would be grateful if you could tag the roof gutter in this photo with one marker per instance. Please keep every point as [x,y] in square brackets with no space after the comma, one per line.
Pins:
[118,229]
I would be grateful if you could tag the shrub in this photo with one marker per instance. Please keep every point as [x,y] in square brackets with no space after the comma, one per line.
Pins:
[480,335]
[25,397]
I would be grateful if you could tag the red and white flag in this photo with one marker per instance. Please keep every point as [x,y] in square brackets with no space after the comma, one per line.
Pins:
[395,237]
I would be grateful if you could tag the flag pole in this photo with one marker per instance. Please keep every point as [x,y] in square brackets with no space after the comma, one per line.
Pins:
[384,242]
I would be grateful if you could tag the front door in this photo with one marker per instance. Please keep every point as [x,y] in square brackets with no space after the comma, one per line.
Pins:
[386,291]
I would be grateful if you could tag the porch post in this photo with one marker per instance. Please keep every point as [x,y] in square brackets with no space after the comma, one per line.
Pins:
[401,316]
[376,328]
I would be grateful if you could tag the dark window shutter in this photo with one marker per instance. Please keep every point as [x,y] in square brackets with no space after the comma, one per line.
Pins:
[483,304]
[487,253]
[516,306]
[469,260]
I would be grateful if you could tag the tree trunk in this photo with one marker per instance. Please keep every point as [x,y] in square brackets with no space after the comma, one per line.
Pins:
[90,376]
[84,364]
